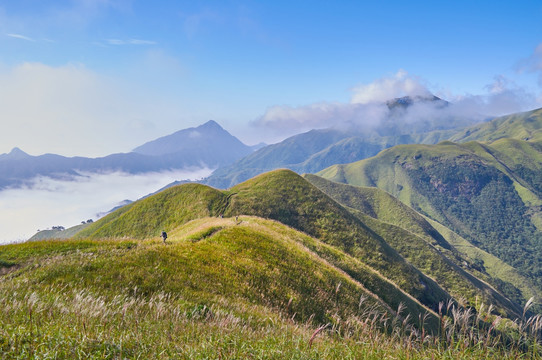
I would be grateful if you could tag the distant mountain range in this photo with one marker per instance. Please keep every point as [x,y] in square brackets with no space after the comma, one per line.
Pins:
[410,120]
[208,145]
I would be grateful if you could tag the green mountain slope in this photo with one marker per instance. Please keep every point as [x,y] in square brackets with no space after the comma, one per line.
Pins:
[317,149]
[249,273]
[286,154]
[168,209]
[471,188]
[220,288]
[521,126]
[417,241]
[284,196]
[371,250]
[58,234]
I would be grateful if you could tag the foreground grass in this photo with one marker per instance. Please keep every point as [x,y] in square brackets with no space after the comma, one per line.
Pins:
[220,289]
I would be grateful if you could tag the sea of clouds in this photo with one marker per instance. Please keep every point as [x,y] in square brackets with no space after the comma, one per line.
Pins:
[50,202]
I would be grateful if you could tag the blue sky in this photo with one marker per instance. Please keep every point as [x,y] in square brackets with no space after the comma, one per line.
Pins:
[91,77]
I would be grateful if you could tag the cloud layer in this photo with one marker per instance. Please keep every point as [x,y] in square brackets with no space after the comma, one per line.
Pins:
[49,202]
[386,88]
[21,37]
[367,109]
[533,64]
[71,110]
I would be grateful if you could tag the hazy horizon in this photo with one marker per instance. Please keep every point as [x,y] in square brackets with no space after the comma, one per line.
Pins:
[51,202]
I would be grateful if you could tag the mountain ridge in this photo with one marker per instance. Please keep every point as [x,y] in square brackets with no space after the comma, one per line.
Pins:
[475,189]
[18,168]
[315,150]
[286,197]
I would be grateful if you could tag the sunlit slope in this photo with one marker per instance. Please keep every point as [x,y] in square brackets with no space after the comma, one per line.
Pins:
[374,285]
[251,282]
[280,195]
[487,194]
[238,264]
[168,209]
[287,197]
[58,234]
[418,242]
[520,126]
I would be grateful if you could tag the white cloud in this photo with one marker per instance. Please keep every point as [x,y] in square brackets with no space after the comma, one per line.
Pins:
[503,97]
[130,42]
[287,120]
[72,110]
[367,110]
[386,88]
[19,36]
[533,63]
[51,202]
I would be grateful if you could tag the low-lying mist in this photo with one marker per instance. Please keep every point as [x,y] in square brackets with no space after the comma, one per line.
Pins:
[50,202]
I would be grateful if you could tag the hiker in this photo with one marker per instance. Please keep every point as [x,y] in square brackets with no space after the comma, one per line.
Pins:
[164,236]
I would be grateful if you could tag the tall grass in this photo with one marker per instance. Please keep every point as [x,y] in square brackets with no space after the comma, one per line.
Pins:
[53,323]
[68,301]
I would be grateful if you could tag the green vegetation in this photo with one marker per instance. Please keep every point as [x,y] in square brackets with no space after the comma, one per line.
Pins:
[280,195]
[286,197]
[435,253]
[58,234]
[521,126]
[418,242]
[168,209]
[482,192]
[252,289]
[517,286]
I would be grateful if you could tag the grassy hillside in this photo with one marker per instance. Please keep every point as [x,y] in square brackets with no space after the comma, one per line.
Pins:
[284,196]
[505,277]
[375,251]
[329,285]
[379,205]
[220,288]
[521,126]
[58,234]
[214,274]
[168,209]
[418,242]
[472,188]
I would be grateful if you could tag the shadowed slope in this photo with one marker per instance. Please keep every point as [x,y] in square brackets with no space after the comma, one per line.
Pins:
[472,188]
[417,241]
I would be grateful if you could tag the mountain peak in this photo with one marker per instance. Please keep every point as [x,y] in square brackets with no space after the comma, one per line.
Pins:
[211,124]
[208,139]
[407,101]
[17,153]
